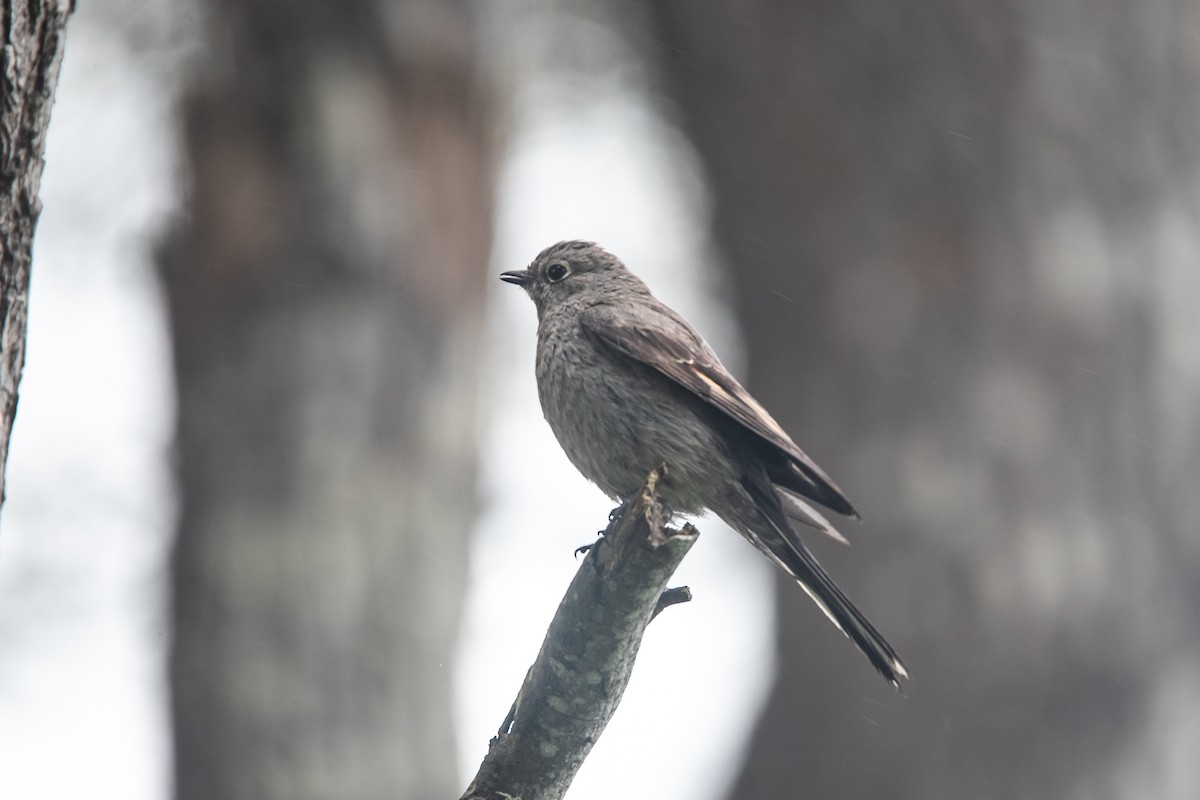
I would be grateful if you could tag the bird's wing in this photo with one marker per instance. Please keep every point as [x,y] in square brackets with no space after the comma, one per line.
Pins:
[679,353]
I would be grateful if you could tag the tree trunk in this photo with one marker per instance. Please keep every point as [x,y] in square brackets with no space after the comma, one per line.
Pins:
[34,35]
[965,241]
[325,296]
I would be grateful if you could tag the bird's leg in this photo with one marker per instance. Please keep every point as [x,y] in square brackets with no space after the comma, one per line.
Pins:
[617,514]
[614,518]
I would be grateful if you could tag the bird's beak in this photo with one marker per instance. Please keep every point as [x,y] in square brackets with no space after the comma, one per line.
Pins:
[521,277]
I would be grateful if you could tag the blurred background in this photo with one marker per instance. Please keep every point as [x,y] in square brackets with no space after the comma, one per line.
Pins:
[283,520]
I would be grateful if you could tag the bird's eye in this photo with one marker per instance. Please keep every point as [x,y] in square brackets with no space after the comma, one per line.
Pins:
[556,272]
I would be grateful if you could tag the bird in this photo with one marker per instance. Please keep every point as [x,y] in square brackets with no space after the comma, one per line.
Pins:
[627,385]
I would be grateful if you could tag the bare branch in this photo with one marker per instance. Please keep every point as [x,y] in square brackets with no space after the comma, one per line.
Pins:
[585,662]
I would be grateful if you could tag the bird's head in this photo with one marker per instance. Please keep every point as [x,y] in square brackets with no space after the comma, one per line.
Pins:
[572,271]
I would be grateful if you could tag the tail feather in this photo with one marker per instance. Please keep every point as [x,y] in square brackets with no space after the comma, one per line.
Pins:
[784,547]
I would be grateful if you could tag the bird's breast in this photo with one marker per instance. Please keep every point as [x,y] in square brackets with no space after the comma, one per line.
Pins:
[617,420]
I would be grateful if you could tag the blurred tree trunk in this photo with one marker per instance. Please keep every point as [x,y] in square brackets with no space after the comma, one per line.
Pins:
[34,35]
[966,243]
[325,295]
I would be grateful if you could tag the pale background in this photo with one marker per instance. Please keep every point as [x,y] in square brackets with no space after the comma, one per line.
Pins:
[89,513]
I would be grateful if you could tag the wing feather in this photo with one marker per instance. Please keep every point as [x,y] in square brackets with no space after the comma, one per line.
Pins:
[676,351]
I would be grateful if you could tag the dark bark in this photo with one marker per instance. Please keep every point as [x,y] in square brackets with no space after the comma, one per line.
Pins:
[575,685]
[960,235]
[34,35]
[325,296]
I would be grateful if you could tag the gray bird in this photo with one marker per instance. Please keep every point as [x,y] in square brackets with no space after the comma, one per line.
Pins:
[627,385]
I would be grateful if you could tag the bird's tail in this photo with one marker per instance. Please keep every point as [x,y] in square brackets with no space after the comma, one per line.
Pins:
[776,538]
